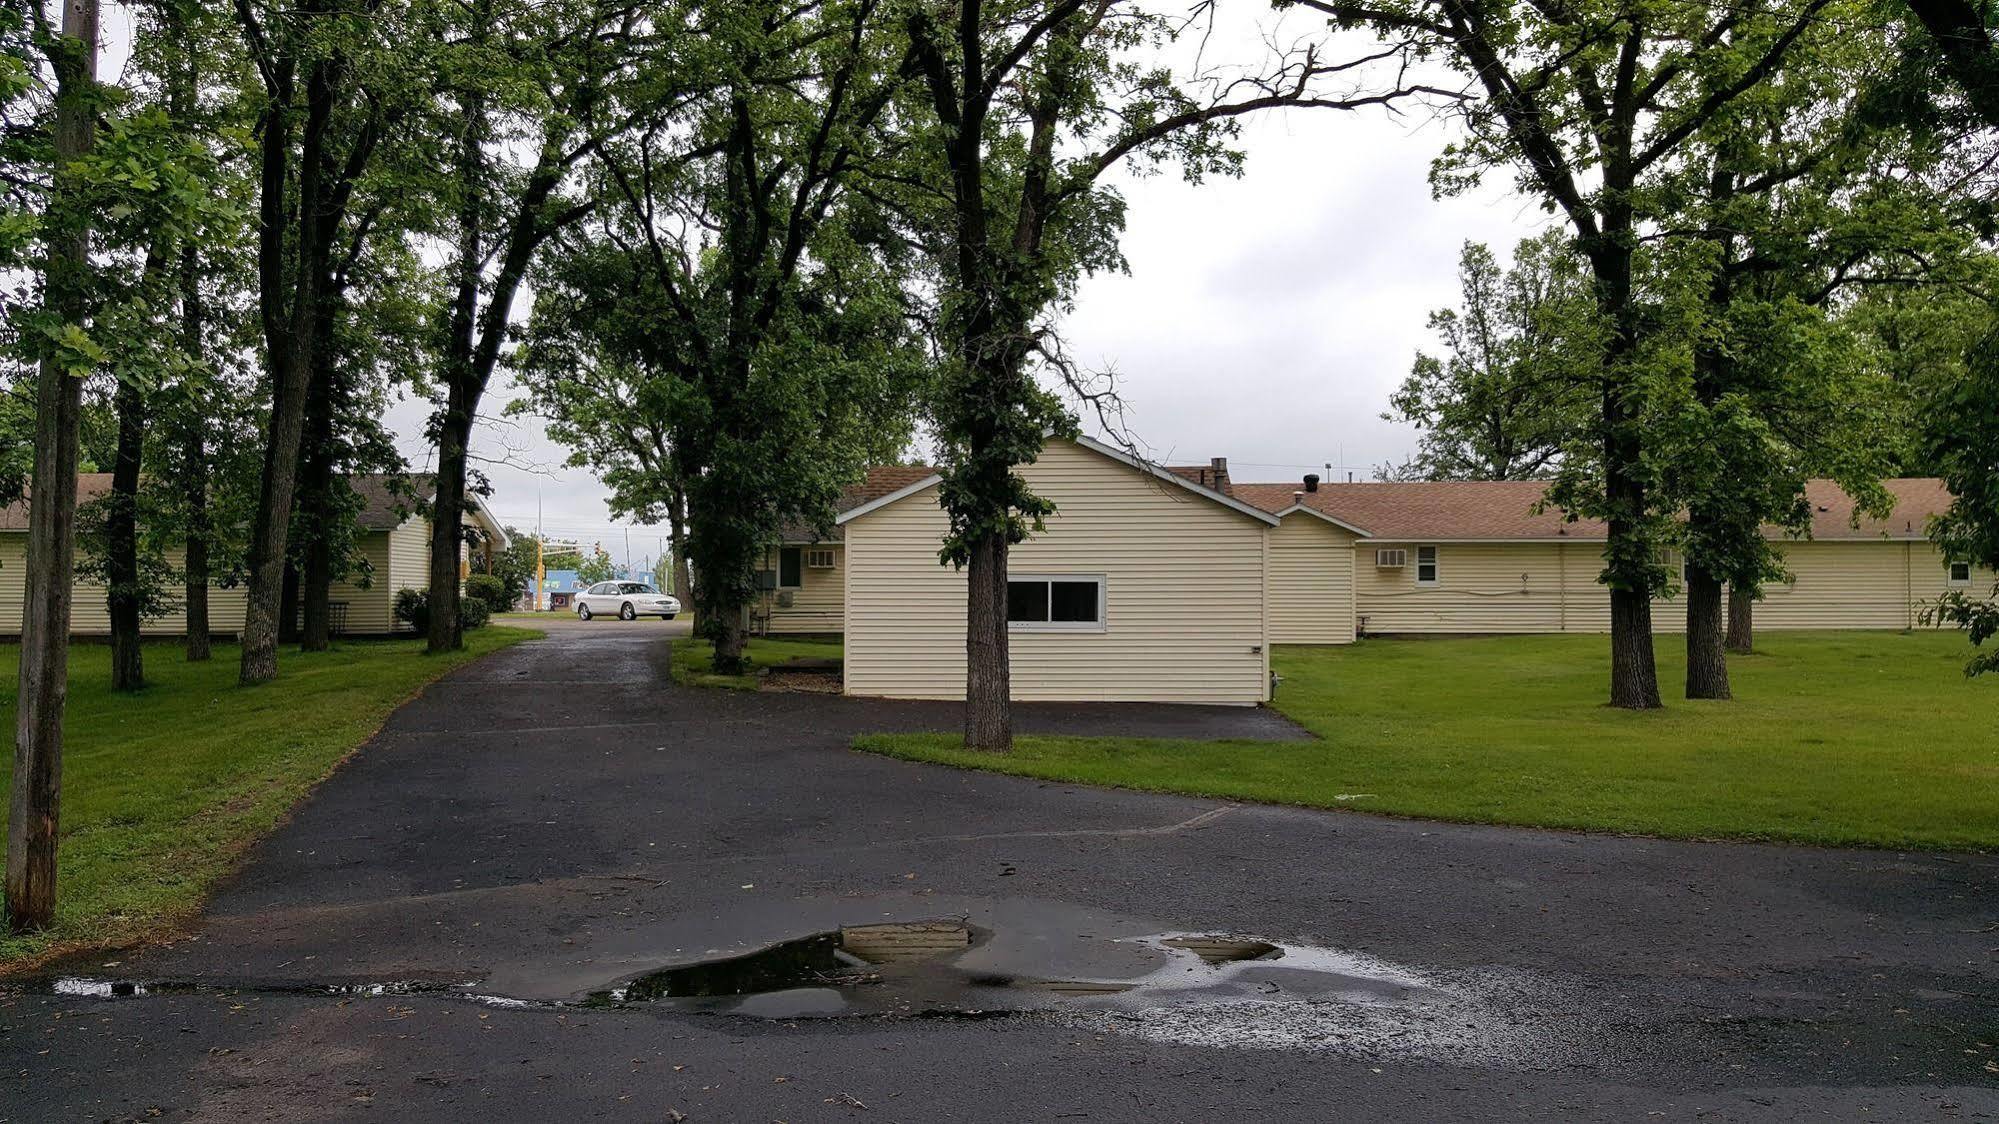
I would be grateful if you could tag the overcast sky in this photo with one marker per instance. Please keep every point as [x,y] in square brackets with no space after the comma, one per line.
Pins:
[1264,319]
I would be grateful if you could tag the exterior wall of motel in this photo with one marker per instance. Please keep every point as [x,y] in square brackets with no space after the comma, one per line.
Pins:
[400,559]
[819,604]
[1312,582]
[1538,587]
[1184,594]
[89,614]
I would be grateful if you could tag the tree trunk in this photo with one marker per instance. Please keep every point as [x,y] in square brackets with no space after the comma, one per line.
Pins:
[731,641]
[315,499]
[35,802]
[194,470]
[461,380]
[291,359]
[1634,673]
[1741,622]
[315,594]
[195,563]
[1707,665]
[124,599]
[728,570]
[988,673]
[447,518]
[269,537]
[676,531]
[288,610]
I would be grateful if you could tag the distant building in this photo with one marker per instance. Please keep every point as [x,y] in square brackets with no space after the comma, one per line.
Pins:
[557,590]
[559,587]
[393,545]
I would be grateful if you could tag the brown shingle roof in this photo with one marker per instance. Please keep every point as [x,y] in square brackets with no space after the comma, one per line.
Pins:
[1504,509]
[1204,475]
[89,486]
[881,480]
[382,509]
[1917,500]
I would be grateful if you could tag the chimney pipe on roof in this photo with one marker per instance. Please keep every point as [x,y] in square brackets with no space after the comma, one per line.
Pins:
[1297,497]
[1311,481]
[1219,467]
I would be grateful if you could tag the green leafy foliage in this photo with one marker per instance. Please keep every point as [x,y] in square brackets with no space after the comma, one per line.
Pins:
[412,607]
[727,335]
[595,566]
[1512,390]
[490,590]
[515,566]
[1962,439]
[474,612]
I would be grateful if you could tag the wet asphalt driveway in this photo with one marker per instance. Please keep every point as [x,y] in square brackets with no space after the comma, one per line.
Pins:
[423,939]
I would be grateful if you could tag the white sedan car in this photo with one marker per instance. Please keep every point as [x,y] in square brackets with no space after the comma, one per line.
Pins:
[629,600]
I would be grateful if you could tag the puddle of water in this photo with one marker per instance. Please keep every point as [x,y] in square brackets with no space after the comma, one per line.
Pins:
[940,967]
[1224,950]
[801,978]
[1078,968]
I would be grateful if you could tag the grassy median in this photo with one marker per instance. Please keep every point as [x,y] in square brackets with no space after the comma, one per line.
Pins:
[693,658]
[165,789]
[1867,738]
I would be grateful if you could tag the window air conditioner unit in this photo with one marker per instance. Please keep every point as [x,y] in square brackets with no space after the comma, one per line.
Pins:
[1391,559]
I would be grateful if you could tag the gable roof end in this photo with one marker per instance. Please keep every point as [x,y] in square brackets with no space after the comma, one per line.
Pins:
[1301,509]
[1101,449]
[1172,477]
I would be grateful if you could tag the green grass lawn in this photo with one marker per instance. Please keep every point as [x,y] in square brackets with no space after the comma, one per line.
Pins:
[164,790]
[691,659]
[1835,738]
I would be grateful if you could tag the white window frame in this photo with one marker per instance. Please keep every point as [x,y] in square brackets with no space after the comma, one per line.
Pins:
[814,556]
[1436,566]
[1101,624]
[1950,572]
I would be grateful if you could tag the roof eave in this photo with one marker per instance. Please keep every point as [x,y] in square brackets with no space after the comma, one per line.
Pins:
[883,501]
[1301,509]
[1130,461]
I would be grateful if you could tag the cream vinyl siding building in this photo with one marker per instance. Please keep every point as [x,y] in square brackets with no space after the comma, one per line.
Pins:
[808,593]
[1178,574]
[1312,585]
[1467,558]
[394,544]
[1540,587]
[89,613]
[398,559]
[1485,587]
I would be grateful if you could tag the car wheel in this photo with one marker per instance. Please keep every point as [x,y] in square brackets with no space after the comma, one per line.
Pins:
[583,612]
[625,612]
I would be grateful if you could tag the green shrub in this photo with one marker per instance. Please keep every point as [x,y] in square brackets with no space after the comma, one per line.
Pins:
[489,590]
[473,612]
[413,606]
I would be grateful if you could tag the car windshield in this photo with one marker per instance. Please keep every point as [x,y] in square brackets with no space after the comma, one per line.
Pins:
[637,587]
